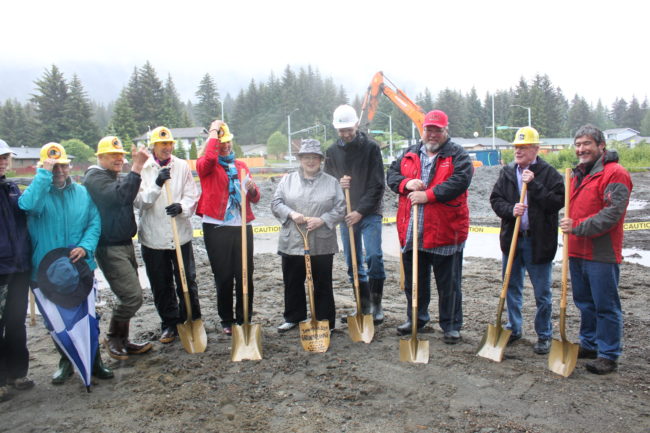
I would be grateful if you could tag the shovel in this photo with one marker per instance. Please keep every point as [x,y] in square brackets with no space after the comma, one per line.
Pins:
[314,334]
[412,349]
[246,338]
[360,326]
[191,332]
[563,355]
[496,338]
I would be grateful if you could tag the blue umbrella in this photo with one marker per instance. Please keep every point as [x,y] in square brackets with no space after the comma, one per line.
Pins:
[65,296]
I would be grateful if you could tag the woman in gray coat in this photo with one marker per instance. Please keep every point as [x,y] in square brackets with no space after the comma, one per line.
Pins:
[314,200]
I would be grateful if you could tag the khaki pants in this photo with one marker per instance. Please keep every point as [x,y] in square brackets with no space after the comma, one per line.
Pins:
[118,264]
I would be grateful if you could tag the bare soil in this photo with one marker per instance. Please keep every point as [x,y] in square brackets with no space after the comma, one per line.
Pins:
[354,387]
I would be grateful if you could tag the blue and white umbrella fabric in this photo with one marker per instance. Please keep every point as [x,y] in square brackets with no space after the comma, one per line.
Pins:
[74,325]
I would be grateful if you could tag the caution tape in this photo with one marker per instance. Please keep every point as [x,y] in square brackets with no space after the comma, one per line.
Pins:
[472,229]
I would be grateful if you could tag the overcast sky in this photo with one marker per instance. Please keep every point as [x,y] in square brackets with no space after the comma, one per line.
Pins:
[593,48]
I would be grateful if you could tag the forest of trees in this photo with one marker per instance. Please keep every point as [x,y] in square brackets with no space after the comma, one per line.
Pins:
[59,109]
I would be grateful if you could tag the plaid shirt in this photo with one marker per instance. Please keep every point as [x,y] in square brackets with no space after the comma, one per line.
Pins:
[428,168]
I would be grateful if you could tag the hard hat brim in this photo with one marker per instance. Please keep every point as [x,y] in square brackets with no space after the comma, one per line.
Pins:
[123,152]
[344,125]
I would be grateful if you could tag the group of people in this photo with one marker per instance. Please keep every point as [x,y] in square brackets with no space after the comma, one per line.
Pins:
[96,222]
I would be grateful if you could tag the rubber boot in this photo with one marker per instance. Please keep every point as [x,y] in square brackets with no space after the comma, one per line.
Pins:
[114,341]
[134,348]
[376,293]
[100,371]
[366,304]
[64,371]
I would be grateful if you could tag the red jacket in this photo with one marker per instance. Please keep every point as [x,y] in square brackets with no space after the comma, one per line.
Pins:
[597,208]
[446,215]
[214,185]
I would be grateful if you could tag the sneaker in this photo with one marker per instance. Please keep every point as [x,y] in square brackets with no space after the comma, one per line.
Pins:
[601,366]
[542,347]
[286,326]
[451,337]
[21,383]
[584,353]
[513,338]
[405,328]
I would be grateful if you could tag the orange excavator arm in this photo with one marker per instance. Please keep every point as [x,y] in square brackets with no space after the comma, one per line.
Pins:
[397,97]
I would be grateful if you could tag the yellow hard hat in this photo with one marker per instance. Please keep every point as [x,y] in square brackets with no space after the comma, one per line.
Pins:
[225,135]
[53,151]
[161,135]
[110,144]
[525,136]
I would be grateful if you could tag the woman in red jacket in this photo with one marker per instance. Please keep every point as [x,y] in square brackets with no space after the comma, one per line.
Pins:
[220,208]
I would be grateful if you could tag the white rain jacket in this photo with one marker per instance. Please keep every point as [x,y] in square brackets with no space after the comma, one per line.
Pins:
[155,227]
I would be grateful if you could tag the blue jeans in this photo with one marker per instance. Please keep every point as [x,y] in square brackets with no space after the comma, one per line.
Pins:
[540,277]
[595,293]
[369,228]
[447,271]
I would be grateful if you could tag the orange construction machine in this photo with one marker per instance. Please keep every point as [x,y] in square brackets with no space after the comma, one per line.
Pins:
[397,97]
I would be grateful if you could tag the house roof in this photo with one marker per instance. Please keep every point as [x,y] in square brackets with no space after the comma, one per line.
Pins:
[619,130]
[483,141]
[26,152]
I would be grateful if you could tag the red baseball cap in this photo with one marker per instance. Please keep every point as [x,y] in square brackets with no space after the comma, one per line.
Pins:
[436,118]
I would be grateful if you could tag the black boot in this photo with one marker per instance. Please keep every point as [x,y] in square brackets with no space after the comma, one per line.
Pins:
[100,371]
[376,293]
[64,371]
[366,304]
[131,347]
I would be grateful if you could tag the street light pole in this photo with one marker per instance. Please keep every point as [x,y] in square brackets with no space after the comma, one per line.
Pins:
[527,108]
[223,114]
[289,134]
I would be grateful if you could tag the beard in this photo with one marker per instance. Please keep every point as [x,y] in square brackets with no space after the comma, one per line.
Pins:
[432,147]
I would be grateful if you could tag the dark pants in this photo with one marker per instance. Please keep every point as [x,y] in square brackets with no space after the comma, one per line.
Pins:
[161,265]
[294,274]
[447,271]
[223,244]
[14,357]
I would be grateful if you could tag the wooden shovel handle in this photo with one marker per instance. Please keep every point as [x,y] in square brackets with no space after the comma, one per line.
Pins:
[513,245]
[353,252]
[565,254]
[244,245]
[414,275]
[179,256]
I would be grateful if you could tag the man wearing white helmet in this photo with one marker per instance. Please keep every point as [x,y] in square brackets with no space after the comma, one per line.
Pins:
[356,161]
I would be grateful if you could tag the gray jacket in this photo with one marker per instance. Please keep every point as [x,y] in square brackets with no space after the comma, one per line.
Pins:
[319,197]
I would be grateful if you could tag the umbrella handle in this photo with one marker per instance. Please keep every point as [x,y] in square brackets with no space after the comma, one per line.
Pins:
[353,253]
[244,246]
[511,256]
[565,255]
[179,257]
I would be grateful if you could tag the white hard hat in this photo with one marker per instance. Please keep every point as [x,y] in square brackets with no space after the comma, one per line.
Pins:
[345,116]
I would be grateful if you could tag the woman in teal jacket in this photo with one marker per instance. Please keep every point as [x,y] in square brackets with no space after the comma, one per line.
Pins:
[61,214]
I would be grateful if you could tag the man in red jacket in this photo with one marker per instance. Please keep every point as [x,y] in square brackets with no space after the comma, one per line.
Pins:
[600,192]
[435,175]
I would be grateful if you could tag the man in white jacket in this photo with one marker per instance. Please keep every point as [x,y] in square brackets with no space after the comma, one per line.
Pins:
[155,231]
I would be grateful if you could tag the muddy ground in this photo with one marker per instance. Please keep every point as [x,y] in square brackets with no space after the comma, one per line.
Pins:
[354,387]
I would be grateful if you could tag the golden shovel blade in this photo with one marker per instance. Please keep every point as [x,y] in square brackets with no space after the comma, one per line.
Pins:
[246,342]
[413,349]
[192,335]
[361,328]
[315,335]
[494,342]
[563,357]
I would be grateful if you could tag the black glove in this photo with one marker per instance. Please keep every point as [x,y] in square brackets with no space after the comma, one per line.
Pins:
[174,209]
[163,175]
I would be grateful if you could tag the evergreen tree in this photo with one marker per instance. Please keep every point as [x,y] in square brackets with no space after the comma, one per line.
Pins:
[173,112]
[452,103]
[600,117]
[618,112]
[149,112]
[123,122]
[207,108]
[475,120]
[645,125]
[179,150]
[193,150]
[49,103]
[633,115]
[579,114]
[18,125]
[78,115]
